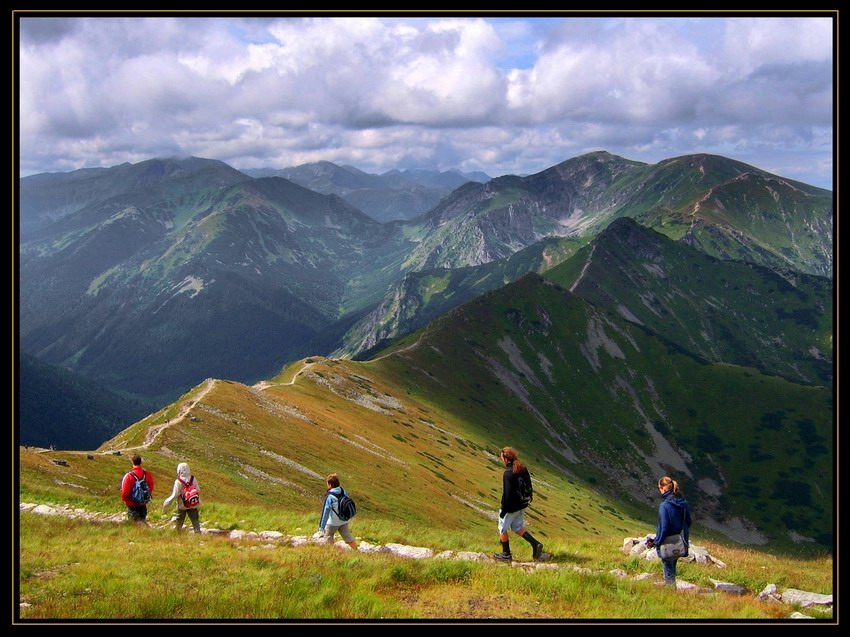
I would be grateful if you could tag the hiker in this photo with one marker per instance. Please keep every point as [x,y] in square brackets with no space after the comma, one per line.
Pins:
[331,522]
[674,517]
[512,511]
[187,493]
[137,491]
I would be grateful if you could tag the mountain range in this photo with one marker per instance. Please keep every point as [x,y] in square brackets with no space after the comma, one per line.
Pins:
[610,355]
[599,405]
[395,194]
[613,321]
[150,277]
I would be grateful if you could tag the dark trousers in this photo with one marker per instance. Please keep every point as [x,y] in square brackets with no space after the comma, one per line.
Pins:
[193,516]
[137,514]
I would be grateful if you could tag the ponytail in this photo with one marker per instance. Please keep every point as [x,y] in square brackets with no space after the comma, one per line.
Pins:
[665,484]
[511,456]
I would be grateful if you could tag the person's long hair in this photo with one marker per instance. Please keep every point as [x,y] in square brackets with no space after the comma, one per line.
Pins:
[513,458]
[665,482]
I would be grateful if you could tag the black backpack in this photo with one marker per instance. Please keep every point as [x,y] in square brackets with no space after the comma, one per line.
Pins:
[345,507]
[524,488]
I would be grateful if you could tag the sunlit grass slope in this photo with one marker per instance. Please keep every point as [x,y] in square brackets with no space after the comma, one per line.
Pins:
[596,406]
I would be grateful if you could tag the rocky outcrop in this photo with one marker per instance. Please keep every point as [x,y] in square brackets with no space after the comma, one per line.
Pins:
[805,599]
[637,546]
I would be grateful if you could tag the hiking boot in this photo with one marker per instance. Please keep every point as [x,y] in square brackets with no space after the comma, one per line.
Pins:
[538,551]
[506,557]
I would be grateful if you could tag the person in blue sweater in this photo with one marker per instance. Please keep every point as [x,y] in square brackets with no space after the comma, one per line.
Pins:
[674,516]
[330,522]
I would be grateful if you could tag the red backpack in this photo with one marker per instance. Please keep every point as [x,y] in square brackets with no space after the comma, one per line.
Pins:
[190,496]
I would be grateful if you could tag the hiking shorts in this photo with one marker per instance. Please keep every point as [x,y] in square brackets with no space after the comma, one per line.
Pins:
[343,531]
[514,521]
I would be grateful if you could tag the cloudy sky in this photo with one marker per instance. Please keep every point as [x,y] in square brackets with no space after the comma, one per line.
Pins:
[502,95]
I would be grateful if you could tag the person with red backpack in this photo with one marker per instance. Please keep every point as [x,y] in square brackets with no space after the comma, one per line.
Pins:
[186,487]
[137,491]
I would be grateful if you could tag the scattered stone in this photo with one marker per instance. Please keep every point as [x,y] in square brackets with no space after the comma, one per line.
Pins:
[769,594]
[641,549]
[24,605]
[300,540]
[544,565]
[443,555]
[236,534]
[43,509]
[271,535]
[637,547]
[643,576]
[268,546]
[619,573]
[415,552]
[728,587]
[365,547]
[805,598]
[60,462]
[26,506]
[687,586]
[472,556]
[251,535]
[799,615]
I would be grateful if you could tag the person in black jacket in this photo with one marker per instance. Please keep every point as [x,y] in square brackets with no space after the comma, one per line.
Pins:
[512,512]
[674,517]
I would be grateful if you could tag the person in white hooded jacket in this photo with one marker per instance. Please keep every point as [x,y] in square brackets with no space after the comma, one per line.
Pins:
[184,480]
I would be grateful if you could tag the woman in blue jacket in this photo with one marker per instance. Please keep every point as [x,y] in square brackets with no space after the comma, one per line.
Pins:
[674,517]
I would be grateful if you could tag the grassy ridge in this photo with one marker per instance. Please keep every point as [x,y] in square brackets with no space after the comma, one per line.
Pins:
[611,420]
[71,569]
[720,310]
[598,407]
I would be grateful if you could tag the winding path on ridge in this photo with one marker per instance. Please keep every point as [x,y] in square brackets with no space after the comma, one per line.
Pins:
[584,269]
[264,384]
[413,345]
[154,431]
